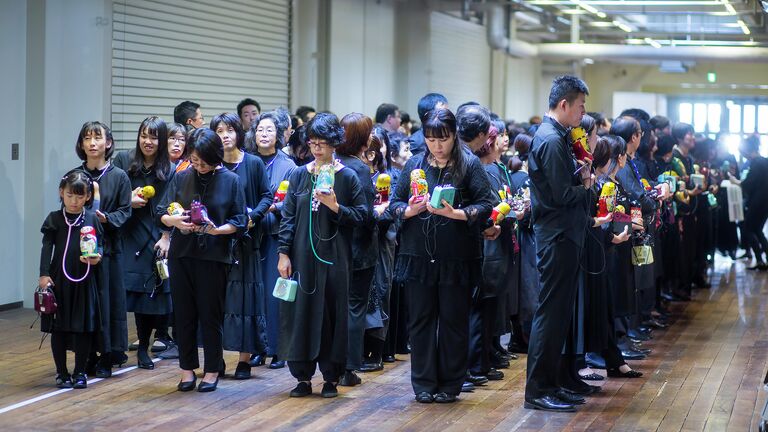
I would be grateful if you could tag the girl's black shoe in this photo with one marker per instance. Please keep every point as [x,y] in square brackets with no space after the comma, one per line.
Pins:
[617,373]
[144,361]
[63,381]
[424,397]
[443,397]
[302,389]
[329,390]
[79,381]
[185,386]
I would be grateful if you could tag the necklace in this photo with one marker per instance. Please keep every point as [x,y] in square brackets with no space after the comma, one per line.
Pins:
[242,158]
[103,170]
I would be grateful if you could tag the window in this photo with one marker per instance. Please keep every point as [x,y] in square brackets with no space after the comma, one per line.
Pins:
[734,117]
[749,119]
[700,117]
[686,113]
[762,119]
[714,112]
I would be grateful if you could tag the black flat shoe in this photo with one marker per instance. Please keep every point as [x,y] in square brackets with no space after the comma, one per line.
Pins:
[329,390]
[276,363]
[617,373]
[641,350]
[243,371]
[302,389]
[476,380]
[258,359]
[63,381]
[205,387]
[349,379]
[185,386]
[144,361]
[371,367]
[103,371]
[467,387]
[494,375]
[548,403]
[592,377]
[118,358]
[424,397]
[444,397]
[571,398]
[388,359]
[79,381]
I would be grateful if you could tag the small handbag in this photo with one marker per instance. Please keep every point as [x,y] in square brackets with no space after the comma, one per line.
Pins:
[285,289]
[45,301]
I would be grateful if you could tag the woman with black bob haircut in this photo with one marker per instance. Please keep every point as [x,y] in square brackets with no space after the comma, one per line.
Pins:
[440,257]
[200,253]
[244,314]
[315,246]
[148,295]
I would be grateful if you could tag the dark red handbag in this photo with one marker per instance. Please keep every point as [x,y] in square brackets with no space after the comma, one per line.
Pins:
[45,301]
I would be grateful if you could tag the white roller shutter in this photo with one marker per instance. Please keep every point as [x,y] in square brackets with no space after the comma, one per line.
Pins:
[460,60]
[213,52]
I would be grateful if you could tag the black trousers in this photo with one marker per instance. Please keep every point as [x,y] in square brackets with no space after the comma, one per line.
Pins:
[197,289]
[359,292]
[438,358]
[557,262]
[397,334]
[113,336]
[688,245]
[481,323]
[754,221]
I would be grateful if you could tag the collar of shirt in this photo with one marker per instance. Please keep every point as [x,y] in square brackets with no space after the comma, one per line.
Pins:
[561,130]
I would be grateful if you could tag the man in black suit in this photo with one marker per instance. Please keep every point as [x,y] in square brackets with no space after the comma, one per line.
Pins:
[560,195]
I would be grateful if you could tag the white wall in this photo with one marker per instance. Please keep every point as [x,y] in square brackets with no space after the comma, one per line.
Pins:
[523,81]
[13,29]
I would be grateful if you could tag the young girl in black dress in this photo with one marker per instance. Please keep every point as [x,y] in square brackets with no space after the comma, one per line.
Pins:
[441,257]
[72,277]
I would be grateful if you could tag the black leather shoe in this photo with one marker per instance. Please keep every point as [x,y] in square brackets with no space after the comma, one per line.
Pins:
[205,387]
[258,359]
[499,364]
[592,377]
[276,363]
[371,367]
[444,397]
[242,371]
[388,359]
[171,353]
[655,323]
[79,381]
[329,390]
[632,355]
[349,379]
[516,348]
[681,296]
[103,371]
[424,397]
[63,381]
[548,403]
[571,398]
[494,375]
[144,361]
[185,386]
[118,358]
[641,350]
[637,336]
[302,389]
[616,373]
[645,331]
[467,387]
[476,380]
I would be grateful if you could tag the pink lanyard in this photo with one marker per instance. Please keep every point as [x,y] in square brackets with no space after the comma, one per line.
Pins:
[66,247]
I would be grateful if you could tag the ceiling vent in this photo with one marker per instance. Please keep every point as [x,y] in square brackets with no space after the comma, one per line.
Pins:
[673,67]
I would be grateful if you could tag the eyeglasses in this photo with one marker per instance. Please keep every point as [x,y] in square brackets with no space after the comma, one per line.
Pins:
[177,139]
[317,143]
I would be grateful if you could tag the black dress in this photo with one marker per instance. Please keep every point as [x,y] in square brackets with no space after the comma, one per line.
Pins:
[146,293]
[78,302]
[319,313]
[244,312]
[528,273]
[621,278]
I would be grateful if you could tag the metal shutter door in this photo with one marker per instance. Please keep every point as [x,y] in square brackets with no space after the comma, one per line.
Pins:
[460,60]
[213,52]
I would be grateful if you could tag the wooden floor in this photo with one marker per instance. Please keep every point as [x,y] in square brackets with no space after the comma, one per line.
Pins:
[705,373]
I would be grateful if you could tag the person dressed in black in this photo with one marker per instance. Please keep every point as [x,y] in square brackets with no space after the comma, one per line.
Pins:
[560,195]
[756,201]
[72,277]
[112,205]
[265,139]
[244,309]
[200,253]
[148,295]
[440,256]
[315,246]
[365,241]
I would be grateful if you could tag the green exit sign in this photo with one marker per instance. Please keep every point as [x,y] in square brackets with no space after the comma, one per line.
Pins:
[711,77]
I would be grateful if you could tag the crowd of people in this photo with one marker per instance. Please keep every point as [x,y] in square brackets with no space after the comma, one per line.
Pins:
[339,243]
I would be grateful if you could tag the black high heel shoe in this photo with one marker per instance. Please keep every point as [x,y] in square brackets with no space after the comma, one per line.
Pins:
[276,363]
[144,361]
[617,373]
[205,387]
[258,359]
[185,386]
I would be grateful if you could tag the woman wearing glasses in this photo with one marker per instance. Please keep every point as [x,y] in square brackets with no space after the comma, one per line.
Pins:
[323,204]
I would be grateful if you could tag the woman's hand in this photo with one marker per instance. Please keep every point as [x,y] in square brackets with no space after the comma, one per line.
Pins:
[328,200]
[101,216]
[414,208]
[446,211]
[178,221]
[163,245]
[44,282]
[381,208]
[603,220]
[272,208]
[91,260]
[492,233]
[284,266]
[136,200]
[621,238]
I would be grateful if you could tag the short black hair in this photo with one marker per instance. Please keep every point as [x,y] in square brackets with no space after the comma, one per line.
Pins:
[207,144]
[428,102]
[302,111]
[659,122]
[636,113]
[98,128]
[625,127]
[751,144]
[244,103]
[79,182]
[185,111]
[680,130]
[250,136]
[599,118]
[326,126]
[588,123]
[566,87]
[385,110]
[665,144]
[472,120]
[233,121]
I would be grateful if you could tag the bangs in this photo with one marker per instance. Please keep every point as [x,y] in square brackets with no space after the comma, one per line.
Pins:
[77,187]
[436,130]
[92,128]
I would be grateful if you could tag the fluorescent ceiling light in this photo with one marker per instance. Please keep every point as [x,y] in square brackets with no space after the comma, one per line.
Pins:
[601,24]
[601,14]
[622,26]
[652,42]
[730,9]
[744,27]
[682,42]
[632,2]
[574,11]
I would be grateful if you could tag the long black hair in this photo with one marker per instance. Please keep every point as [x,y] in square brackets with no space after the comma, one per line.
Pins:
[607,150]
[162,166]
[441,123]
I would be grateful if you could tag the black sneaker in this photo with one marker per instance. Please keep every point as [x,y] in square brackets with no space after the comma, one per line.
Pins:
[302,389]
[350,379]
[79,381]
[63,381]
[329,390]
